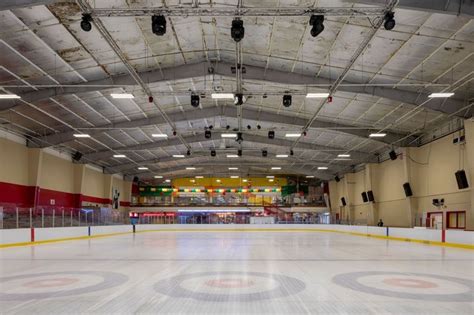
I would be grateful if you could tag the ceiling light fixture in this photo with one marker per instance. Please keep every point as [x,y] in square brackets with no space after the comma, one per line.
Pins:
[178,155]
[287,100]
[293,135]
[276,168]
[282,155]
[190,168]
[440,95]
[158,25]
[322,167]
[389,21]
[309,176]
[195,100]
[377,135]
[167,180]
[86,25]
[232,156]
[245,180]
[270,176]
[158,176]
[234,176]
[344,155]
[118,156]
[222,96]
[229,135]
[233,168]
[9,96]
[199,176]
[142,168]
[122,95]
[237,30]
[317,95]
[81,135]
[271,180]
[159,135]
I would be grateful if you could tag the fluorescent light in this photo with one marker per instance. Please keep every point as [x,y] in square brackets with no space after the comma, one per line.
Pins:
[142,168]
[190,168]
[276,168]
[322,168]
[377,135]
[344,155]
[222,95]
[229,135]
[293,135]
[310,176]
[192,180]
[119,156]
[440,95]
[159,135]
[167,180]
[232,156]
[270,176]
[9,96]
[245,180]
[158,176]
[271,180]
[81,135]
[233,168]
[282,155]
[234,176]
[199,176]
[317,95]
[178,155]
[122,95]
[218,180]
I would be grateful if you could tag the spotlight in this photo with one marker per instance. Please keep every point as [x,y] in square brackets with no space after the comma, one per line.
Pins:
[249,127]
[237,31]
[337,179]
[239,99]
[291,152]
[259,127]
[150,99]
[174,133]
[207,134]
[239,152]
[304,133]
[188,152]
[86,22]
[271,134]
[211,127]
[287,100]
[158,25]
[213,152]
[389,21]
[264,153]
[239,137]
[194,100]
[317,22]
[227,127]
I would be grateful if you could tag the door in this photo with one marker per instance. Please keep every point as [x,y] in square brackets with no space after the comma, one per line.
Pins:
[435,220]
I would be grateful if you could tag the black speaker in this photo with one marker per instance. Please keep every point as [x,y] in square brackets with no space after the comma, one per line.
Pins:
[271,134]
[370,196]
[207,134]
[343,201]
[337,179]
[213,152]
[364,197]
[77,156]
[407,188]
[135,179]
[393,155]
[461,179]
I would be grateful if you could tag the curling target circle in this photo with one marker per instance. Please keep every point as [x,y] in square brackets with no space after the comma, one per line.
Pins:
[417,286]
[230,286]
[57,284]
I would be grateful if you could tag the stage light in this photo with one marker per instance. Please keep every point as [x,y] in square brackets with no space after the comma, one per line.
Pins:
[291,152]
[213,152]
[389,21]
[271,134]
[249,127]
[158,25]
[195,100]
[259,127]
[239,137]
[239,152]
[237,30]
[207,134]
[317,22]
[264,153]
[239,99]
[287,100]
[86,22]
[188,152]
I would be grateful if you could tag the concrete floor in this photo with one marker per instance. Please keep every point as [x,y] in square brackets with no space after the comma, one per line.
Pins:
[235,272]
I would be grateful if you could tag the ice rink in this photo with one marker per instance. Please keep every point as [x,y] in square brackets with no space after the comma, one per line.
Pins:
[236,272]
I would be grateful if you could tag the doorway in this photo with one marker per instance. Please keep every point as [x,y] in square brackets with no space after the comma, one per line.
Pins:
[435,220]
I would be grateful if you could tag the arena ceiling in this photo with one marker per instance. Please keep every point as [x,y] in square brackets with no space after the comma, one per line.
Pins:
[379,81]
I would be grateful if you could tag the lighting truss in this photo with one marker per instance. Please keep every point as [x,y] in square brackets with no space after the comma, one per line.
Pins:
[233,11]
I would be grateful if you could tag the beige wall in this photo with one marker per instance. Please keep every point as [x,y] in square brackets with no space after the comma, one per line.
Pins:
[36,167]
[429,170]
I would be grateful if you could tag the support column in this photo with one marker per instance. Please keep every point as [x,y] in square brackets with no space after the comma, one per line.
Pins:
[410,202]
[469,168]
[108,180]
[35,163]
[79,175]
[349,208]
[372,216]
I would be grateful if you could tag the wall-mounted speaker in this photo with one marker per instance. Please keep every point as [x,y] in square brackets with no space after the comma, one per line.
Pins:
[343,201]
[337,179]
[461,178]
[364,197]
[408,191]
[135,179]
[370,195]
[393,155]
[77,156]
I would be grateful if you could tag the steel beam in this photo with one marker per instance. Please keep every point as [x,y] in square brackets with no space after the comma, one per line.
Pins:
[188,71]
[105,154]
[457,7]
